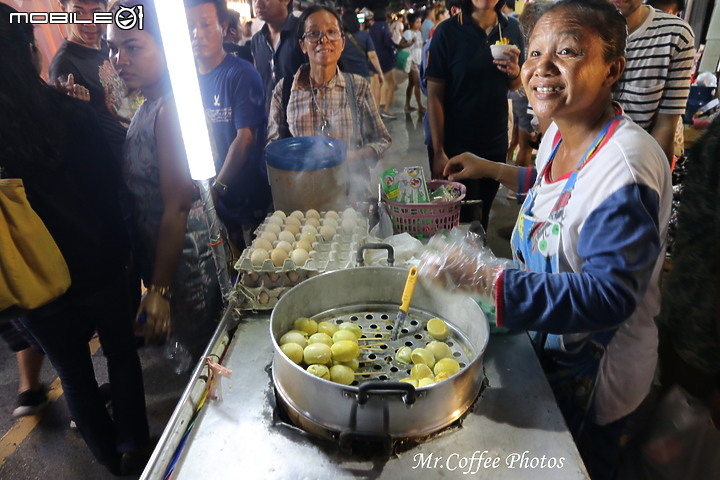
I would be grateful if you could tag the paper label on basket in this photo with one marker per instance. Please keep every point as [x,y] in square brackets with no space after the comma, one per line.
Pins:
[389,183]
[412,186]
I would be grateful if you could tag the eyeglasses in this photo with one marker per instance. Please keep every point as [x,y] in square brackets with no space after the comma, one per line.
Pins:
[314,36]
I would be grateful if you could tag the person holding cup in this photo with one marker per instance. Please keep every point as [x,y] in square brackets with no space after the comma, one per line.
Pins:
[467,91]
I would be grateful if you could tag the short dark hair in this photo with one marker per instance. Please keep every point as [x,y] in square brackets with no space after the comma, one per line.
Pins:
[233,19]
[314,9]
[411,17]
[220,7]
[664,4]
[530,15]
[602,17]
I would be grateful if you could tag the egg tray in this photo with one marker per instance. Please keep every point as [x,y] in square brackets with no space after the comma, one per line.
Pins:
[261,291]
[334,254]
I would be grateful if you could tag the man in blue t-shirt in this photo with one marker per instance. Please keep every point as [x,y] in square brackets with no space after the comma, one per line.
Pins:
[234,101]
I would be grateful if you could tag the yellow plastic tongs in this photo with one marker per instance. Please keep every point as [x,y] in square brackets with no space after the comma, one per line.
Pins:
[406,298]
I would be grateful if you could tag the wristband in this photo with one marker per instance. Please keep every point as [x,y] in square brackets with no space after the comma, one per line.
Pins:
[220,187]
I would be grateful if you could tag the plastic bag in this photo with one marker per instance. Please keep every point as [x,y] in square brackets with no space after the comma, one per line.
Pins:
[456,260]
[383,228]
[682,444]
[407,251]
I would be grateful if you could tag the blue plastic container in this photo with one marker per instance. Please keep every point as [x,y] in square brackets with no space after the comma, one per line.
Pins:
[307,172]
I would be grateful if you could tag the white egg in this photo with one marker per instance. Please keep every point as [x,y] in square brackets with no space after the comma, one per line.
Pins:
[309,228]
[331,222]
[294,229]
[258,256]
[250,279]
[279,213]
[276,220]
[348,225]
[312,221]
[293,221]
[327,232]
[332,214]
[299,256]
[278,256]
[309,237]
[269,236]
[273,227]
[304,245]
[297,214]
[349,213]
[264,298]
[312,213]
[286,236]
[262,243]
[287,246]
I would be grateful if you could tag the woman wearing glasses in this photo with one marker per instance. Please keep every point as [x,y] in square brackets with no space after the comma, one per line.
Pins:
[320,100]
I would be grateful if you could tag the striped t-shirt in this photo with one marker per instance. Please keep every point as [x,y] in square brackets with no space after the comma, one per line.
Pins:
[657,75]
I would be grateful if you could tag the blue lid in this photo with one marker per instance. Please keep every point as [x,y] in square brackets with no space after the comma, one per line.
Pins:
[304,154]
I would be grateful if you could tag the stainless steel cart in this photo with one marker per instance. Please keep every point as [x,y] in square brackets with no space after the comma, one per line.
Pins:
[514,430]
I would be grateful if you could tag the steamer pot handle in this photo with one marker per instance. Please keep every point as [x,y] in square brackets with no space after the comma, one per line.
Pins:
[368,389]
[375,246]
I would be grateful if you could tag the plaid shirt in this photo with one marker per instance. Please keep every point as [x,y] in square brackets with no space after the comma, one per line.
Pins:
[306,120]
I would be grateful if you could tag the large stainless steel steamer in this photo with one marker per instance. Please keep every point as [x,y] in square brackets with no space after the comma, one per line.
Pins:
[385,409]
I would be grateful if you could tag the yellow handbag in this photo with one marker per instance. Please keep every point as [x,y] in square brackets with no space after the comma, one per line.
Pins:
[33,272]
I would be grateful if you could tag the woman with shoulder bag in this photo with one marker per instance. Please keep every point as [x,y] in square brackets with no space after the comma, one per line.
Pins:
[359,53]
[52,142]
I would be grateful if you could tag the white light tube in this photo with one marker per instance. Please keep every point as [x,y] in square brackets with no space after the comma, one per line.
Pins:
[183,76]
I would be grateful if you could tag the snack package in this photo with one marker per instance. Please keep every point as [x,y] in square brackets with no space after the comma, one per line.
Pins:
[389,183]
[446,193]
[408,186]
[412,186]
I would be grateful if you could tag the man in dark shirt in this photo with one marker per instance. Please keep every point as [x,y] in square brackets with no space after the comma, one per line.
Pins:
[234,102]
[385,48]
[231,42]
[275,47]
[84,54]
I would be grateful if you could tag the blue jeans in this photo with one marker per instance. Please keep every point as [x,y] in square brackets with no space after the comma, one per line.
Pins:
[63,329]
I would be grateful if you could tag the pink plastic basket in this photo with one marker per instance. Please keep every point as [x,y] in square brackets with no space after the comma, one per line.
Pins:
[426,219]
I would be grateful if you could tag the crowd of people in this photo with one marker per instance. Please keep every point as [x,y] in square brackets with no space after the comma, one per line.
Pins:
[605,94]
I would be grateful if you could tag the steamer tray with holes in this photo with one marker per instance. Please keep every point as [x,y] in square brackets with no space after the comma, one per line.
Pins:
[383,407]
[377,321]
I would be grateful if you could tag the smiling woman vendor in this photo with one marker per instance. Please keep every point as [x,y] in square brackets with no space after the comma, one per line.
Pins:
[322,101]
[589,241]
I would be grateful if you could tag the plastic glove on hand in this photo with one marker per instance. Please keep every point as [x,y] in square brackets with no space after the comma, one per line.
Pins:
[458,261]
